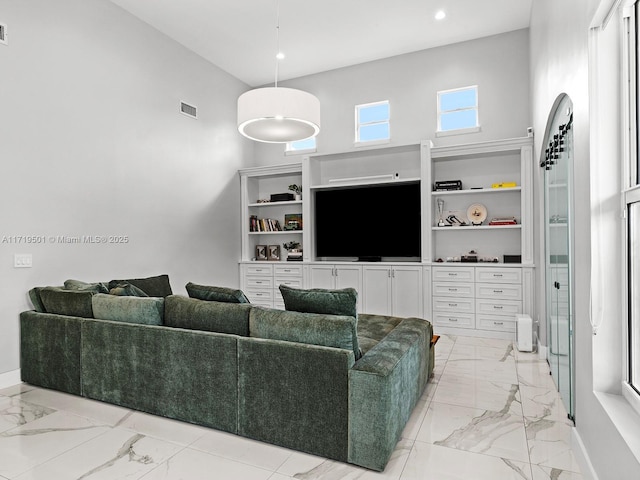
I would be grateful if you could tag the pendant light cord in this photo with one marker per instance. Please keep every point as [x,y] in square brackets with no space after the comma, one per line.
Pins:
[277,40]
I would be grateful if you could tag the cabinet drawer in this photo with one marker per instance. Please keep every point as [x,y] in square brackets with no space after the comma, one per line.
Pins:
[266,270]
[289,282]
[494,322]
[441,304]
[460,320]
[257,296]
[444,274]
[449,289]
[259,282]
[499,275]
[288,270]
[499,290]
[498,307]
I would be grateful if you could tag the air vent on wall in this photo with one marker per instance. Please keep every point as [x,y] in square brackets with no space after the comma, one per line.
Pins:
[188,110]
[3,34]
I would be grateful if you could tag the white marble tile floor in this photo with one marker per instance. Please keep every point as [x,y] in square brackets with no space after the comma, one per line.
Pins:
[490,412]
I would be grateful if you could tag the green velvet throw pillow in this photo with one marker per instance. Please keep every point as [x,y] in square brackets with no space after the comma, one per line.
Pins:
[338,331]
[217,294]
[144,310]
[157,286]
[36,301]
[127,290]
[75,303]
[321,300]
[208,315]
[96,287]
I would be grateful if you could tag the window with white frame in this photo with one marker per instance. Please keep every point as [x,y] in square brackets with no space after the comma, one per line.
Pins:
[458,110]
[301,146]
[631,202]
[372,123]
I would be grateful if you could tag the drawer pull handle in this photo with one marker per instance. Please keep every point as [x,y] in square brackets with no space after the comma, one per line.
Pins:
[258,282]
[453,304]
[497,291]
[498,323]
[497,275]
[453,289]
[286,270]
[498,307]
[453,319]
[452,274]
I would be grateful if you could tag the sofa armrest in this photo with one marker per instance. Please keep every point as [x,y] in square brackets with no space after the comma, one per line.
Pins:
[384,387]
[294,395]
[50,351]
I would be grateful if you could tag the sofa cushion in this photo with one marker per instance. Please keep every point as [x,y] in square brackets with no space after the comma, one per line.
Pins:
[127,290]
[337,331]
[76,303]
[373,328]
[212,316]
[218,294]
[95,287]
[157,286]
[321,300]
[36,301]
[144,310]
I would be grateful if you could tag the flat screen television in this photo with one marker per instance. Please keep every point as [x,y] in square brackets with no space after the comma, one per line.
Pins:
[369,221]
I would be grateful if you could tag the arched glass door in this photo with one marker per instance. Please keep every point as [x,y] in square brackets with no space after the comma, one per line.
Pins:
[557,161]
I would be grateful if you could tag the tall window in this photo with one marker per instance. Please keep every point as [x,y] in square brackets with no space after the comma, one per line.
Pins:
[631,199]
[372,123]
[458,110]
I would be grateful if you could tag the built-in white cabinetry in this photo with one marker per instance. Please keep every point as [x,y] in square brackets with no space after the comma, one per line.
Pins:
[260,281]
[393,290]
[481,168]
[256,187]
[472,298]
[485,299]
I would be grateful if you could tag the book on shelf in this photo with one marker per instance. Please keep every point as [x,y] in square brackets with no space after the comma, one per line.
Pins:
[264,224]
[503,221]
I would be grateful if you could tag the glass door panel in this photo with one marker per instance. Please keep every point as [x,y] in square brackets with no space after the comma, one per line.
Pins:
[558,248]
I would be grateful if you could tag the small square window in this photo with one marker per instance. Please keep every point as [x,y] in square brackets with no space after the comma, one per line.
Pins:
[458,109]
[302,146]
[372,122]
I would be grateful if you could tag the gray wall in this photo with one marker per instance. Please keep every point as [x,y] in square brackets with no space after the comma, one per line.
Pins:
[499,65]
[92,143]
[560,64]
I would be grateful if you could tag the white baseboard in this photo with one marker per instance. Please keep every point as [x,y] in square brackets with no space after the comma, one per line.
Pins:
[581,456]
[10,379]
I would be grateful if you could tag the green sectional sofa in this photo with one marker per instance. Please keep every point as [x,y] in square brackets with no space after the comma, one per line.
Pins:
[331,385]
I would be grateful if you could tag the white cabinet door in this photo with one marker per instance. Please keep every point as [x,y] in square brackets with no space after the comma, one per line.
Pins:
[349,276]
[376,292]
[406,292]
[321,276]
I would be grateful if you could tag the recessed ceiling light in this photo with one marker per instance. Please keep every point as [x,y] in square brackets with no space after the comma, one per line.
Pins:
[440,15]
[280,55]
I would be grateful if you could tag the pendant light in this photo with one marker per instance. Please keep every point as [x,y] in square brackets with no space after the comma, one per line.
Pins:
[276,114]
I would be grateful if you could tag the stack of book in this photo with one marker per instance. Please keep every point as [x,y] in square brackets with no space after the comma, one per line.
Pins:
[263,224]
[294,256]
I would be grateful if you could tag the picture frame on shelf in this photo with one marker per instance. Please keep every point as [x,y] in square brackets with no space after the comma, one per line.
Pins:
[293,221]
[273,252]
[261,253]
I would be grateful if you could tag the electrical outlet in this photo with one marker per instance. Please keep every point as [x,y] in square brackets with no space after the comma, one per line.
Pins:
[22,260]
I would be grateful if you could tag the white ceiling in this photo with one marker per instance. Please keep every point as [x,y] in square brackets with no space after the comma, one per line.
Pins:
[239,36]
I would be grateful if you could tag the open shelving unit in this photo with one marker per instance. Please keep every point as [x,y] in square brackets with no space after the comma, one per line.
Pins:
[479,166]
[257,184]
